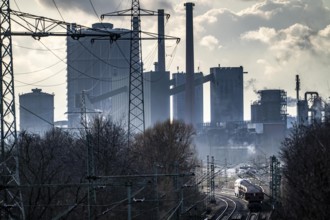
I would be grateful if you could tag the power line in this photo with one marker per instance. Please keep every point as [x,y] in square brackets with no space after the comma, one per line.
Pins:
[90,1]
[37,49]
[58,10]
[79,71]
[49,85]
[39,70]
[48,77]
[41,118]
[87,49]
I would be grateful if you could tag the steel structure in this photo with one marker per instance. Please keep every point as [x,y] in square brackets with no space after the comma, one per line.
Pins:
[275,182]
[91,195]
[212,199]
[11,198]
[136,118]
[208,180]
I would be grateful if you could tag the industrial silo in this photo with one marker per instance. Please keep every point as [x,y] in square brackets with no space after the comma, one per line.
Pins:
[36,111]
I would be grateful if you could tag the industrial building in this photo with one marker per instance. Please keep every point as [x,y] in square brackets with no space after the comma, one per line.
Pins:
[36,111]
[312,108]
[179,109]
[270,108]
[269,118]
[101,69]
[226,94]
[156,96]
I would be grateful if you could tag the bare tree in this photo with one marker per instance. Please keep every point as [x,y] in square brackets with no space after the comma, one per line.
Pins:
[108,139]
[306,172]
[45,172]
[167,148]
[54,170]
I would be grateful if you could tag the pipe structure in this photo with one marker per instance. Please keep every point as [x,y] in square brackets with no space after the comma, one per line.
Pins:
[161,42]
[311,94]
[190,90]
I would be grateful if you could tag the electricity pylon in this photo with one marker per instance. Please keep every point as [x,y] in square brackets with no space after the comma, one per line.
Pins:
[11,200]
[136,116]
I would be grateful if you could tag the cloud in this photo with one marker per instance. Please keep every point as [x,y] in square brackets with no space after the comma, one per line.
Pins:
[289,36]
[321,42]
[103,6]
[272,39]
[289,42]
[210,42]
[264,35]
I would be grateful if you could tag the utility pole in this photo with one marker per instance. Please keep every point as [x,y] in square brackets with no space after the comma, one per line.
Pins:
[156,192]
[129,184]
[129,200]
[275,182]
[212,181]
[90,160]
[208,182]
[136,122]
[226,175]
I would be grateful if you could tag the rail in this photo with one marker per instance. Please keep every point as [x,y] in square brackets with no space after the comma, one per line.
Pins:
[229,210]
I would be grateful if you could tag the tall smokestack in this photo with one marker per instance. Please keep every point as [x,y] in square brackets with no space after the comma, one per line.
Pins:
[190,90]
[297,87]
[161,43]
[297,94]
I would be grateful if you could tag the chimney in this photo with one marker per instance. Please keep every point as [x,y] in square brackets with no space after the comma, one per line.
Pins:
[190,89]
[161,42]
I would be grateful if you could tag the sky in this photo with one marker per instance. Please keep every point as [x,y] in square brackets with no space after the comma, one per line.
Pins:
[273,40]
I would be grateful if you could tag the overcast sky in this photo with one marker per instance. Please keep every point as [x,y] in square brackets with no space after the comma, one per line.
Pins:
[272,39]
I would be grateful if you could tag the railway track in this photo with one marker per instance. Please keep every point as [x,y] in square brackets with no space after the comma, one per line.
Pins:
[226,212]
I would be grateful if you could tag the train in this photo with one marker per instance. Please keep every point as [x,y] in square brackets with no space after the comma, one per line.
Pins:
[250,192]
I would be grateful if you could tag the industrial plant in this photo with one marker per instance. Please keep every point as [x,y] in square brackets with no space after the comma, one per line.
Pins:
[98,82]
[135,141]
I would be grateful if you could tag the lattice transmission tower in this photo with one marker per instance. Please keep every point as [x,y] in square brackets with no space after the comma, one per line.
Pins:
[136,122]
[11,201]
[11,198]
